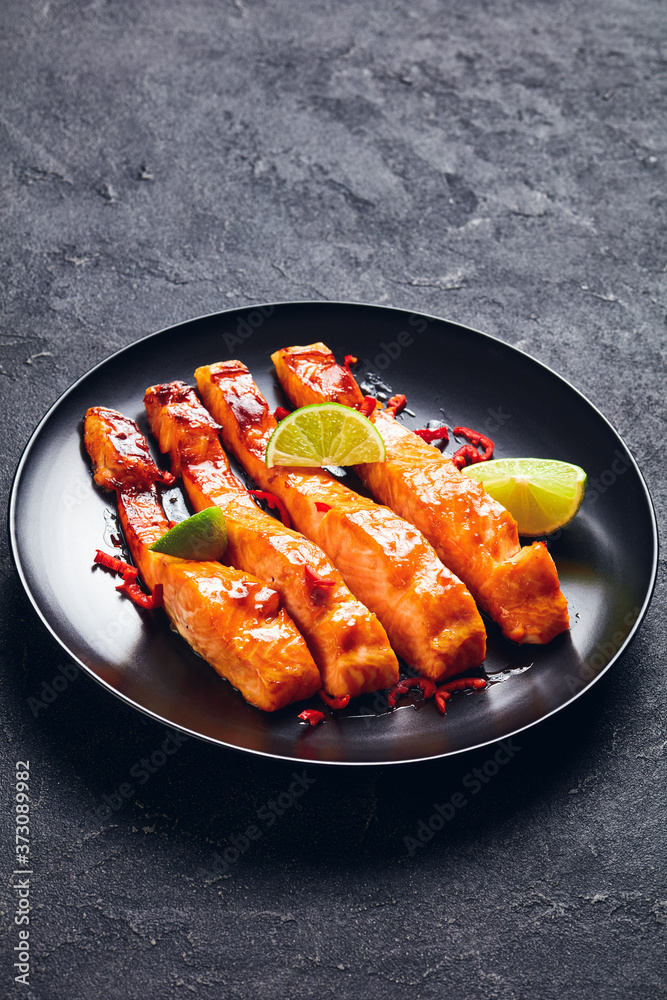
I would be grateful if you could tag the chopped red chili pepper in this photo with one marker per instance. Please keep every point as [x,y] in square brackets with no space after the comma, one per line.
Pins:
[394,693]
[117,565]
[280,413]
[368,406]
[131,589]
[312,716]
[316,581]
[274,503]
[427,686]
[444,692]
[442,696]
[465,684]
[397,404]
[477,439]
[466,455]
[332,702]
[350,360]
[166,479]
[435,434]
[322,507]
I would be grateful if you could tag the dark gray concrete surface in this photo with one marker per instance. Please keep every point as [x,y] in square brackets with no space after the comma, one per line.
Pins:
[500,164]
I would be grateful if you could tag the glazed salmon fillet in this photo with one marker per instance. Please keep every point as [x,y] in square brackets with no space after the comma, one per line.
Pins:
[230,618]
[347,641]
[430,618]
[473,534]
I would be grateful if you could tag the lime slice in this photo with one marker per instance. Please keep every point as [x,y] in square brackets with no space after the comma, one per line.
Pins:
[325,434]
[541,494]
[202,537]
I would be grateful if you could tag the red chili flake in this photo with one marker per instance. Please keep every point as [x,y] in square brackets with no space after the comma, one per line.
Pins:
[312,716]
[322,507]
[444,692]
[131,589]
[441,698]
[166,479]
[332,702]
[117,565]
[394,693]
[316,581]
[397,404]
[368,406]
[478,440]
[465,684]
[350,360]
[274,503]
[466,455]
[430,435]
[427,686]
[280,413]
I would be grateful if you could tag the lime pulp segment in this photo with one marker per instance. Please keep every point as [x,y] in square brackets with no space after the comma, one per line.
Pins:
[202,537]
[325,434]
[542,495]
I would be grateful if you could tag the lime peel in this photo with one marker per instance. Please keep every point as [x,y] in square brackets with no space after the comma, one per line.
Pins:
[202,537]
[325,434]
[542,495]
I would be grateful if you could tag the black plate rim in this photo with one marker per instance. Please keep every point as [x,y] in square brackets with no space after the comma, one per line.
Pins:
[25,456]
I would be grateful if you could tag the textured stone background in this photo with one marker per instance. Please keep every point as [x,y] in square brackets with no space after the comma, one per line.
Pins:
[500,164]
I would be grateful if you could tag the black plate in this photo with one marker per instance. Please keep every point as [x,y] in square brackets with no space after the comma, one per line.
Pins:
[606,558]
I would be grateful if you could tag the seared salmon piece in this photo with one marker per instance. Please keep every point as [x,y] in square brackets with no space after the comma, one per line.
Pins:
[346,640]
[473,534]
[230,618]
[429,616]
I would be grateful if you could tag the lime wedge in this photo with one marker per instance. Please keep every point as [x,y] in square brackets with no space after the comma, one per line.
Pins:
[541,494]
[202,537]
[325,434]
